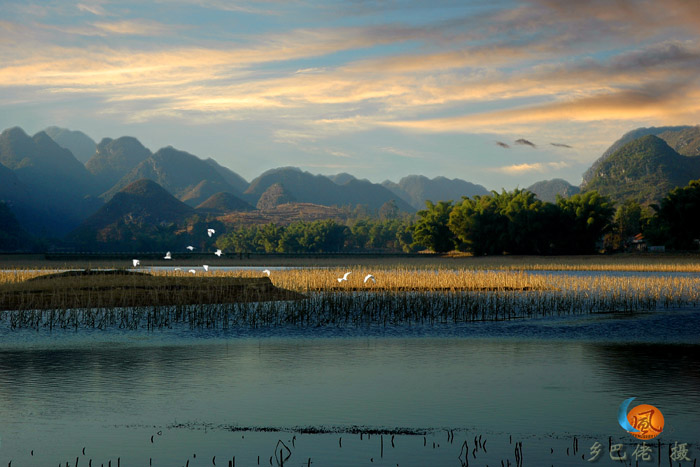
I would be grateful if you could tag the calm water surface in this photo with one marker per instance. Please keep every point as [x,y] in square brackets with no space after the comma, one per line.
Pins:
[539,381]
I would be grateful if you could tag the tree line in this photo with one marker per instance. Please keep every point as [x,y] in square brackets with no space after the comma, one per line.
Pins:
[509,222]
[321,236]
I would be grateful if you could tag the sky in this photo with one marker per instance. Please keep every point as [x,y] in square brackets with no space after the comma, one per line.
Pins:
[501,93]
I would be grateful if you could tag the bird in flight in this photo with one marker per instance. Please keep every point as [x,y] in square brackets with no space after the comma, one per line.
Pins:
[218,253]
[206,267]
[211,232]
[136,262]
[168,256]
[266,271]
[190,248]
[345,277]
[192,271]
[370,277]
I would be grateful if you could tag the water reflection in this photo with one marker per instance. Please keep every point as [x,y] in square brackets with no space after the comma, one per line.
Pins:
[514,387]
[518,386]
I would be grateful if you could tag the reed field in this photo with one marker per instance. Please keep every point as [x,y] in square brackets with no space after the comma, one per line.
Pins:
[315,297]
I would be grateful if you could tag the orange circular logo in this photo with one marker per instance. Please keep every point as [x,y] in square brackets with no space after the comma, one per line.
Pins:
[647,419]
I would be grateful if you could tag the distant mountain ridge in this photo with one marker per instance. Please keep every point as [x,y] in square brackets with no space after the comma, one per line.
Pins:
[77,142]
[231,177]
[60,185]
[223,203]
[668,133]
[140,207]
[275,195]
[319,189]
[686,141]
[547,190]
[180,173]
[644,169]
[50,192]
[416,189]
[114,158]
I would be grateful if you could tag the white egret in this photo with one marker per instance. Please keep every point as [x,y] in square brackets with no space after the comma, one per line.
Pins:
[266,271]
[211,232]
[168,256]
[190,248]
[218,253]
[345,277]
[192,271]
[136,262]
[206,267]
[370,276]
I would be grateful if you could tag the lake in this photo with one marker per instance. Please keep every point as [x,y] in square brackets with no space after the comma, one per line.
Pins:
[397,395]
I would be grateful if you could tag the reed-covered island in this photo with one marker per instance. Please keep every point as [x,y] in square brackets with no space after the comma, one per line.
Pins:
[317,297]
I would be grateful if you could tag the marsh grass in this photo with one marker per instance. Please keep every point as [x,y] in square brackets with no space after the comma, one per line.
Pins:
[404,280]
[400,296]
[96,289]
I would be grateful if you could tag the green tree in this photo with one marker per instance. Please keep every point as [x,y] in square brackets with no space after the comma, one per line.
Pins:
[360,233]
[630,219]
[267,237]
[389,210]
[241,240]
[585,219]
[404,237]
[479,226]
[677,220]
[432,230]
[508,222]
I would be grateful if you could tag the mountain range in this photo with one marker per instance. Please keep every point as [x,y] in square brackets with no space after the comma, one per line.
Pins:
[305,187]
[548,190]
[51,192]
[77,142]
[61,190]
[645,164]
[114,158]
[416,189]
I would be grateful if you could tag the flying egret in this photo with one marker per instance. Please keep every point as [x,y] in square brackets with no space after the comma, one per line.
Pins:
[190,248]
[370,276]
[345,277]
[192,271]
[266,271]
[136,262]
[168,256]
[211,232]
[218,253]
[177,269]
[206,267]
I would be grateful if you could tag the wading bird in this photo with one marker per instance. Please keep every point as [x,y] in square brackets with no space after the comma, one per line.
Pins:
[211,232]
[345,277]
[168,256]
[206,267]
[136,262]
[266,271]
[218,253]
[190,248]
[192,271]
[370,277]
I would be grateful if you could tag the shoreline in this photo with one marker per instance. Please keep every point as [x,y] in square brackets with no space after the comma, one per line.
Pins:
[626,261]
